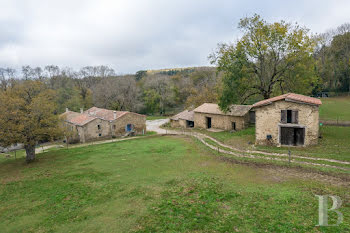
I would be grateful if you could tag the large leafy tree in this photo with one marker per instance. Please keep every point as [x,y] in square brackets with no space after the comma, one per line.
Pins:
[333,59]
[27,115]
[340,54]
[269,59]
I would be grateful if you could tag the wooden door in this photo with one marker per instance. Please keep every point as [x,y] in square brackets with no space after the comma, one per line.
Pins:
[287,136]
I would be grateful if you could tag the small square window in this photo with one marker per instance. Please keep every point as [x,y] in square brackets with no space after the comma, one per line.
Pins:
[99,135]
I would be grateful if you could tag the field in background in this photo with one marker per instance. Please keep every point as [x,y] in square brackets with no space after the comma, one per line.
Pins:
[161,184]
[335,108]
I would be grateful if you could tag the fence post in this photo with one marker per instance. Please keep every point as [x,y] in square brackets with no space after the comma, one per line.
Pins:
[289,156]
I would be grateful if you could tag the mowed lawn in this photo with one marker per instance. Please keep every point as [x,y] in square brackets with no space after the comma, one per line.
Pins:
[336,108]
[159,184]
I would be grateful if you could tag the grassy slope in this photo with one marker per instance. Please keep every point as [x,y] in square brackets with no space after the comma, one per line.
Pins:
[335,108]
[158,184]
[334,143]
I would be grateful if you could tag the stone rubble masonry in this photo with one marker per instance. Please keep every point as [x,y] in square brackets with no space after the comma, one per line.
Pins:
[268,121]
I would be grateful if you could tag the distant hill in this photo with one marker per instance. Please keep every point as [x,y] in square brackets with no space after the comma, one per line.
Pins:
[173,71]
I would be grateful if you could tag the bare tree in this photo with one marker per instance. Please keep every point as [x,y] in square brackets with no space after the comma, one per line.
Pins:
[7,77]
[118,93]
[52,70]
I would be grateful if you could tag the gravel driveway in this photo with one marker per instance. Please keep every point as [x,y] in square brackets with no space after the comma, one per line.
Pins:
[154,125]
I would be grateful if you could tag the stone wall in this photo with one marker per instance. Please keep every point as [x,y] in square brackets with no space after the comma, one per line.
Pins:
[92,132]
[268,120]
[107,129]
[139,122]
[183,123]
[220,121]
[174,123]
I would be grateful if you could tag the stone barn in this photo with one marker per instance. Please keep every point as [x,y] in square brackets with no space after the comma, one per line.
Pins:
[98,123]
[183,119]
[289,119]
[209,116]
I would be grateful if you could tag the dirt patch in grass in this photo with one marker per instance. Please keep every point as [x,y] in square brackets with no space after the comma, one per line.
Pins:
[278,173]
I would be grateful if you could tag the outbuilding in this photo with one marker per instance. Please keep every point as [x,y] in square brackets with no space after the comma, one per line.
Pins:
[287,120]
[183,119]
[209,116]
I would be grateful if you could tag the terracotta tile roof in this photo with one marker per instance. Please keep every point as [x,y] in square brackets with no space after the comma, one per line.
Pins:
[235,110]
[104,113]
[68,115]
[289,97]
[185,115]
[93,113]
[81,119]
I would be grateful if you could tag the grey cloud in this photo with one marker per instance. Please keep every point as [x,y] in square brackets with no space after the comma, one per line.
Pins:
[140,34]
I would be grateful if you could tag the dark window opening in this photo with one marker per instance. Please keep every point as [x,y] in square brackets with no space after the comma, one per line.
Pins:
[233,125]
[98,126]
[99,135]
[252,117]
[289,116]
[114,127]
[208,122]
[190,124]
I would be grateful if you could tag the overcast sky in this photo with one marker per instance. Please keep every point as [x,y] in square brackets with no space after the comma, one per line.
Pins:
[140,34]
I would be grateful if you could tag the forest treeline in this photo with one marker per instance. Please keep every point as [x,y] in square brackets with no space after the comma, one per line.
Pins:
[161,92]
[323,67]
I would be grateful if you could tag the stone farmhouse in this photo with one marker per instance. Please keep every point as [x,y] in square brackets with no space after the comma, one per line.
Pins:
[97,123]
[289,119]
[209,116]
[183,119]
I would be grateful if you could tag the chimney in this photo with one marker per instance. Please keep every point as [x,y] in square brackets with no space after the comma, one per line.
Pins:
[67,110]
[115,115]
[81,110]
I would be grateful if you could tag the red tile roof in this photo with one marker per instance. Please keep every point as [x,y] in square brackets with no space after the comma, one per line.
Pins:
[290,97]
[68,115]
[93,113]
[104,113]
[81,119]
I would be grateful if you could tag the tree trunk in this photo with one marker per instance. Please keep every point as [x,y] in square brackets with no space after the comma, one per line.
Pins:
[30,152]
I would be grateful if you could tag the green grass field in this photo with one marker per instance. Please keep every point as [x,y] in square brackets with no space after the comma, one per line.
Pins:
[336,108]
[159,184]
[155,117]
